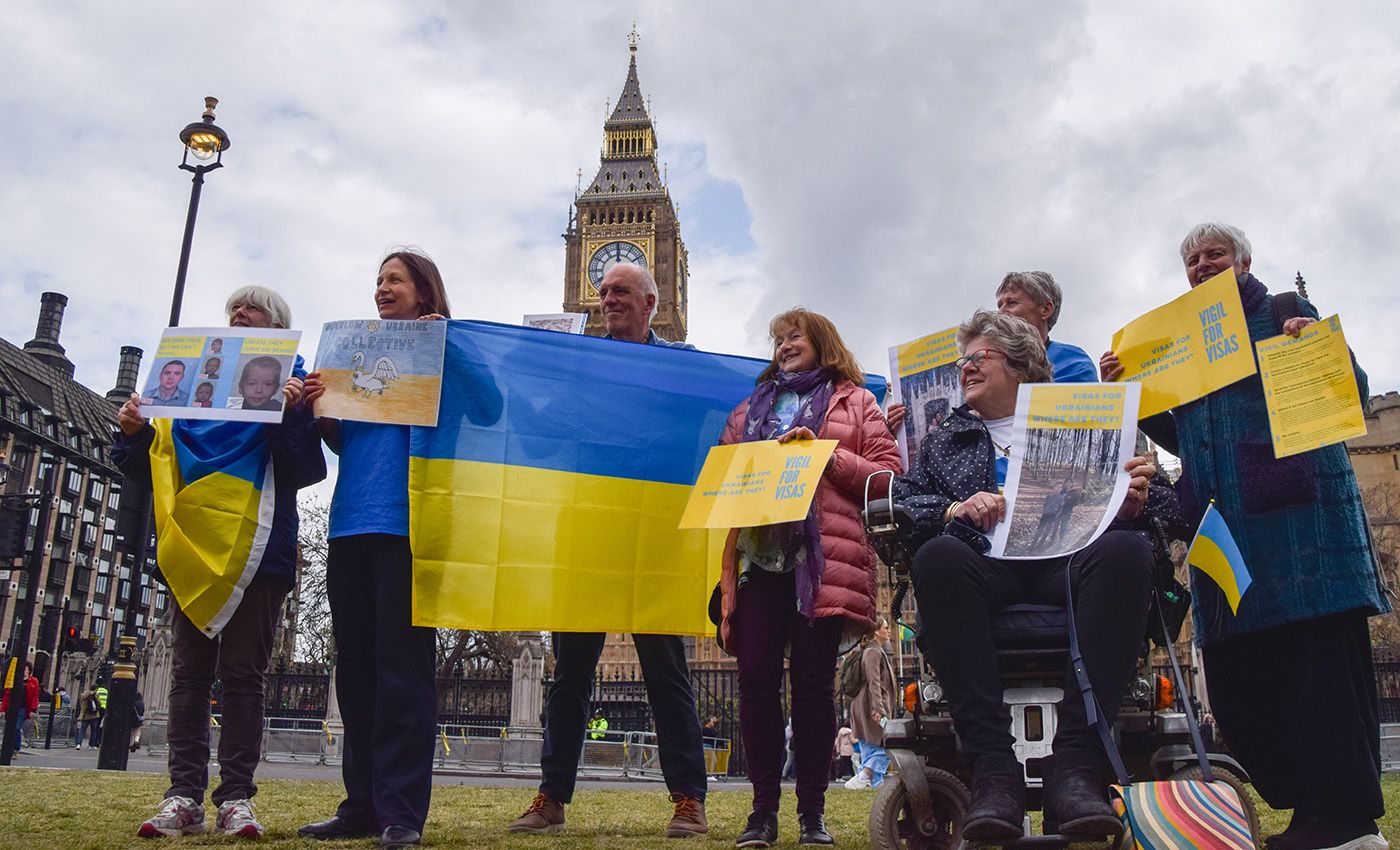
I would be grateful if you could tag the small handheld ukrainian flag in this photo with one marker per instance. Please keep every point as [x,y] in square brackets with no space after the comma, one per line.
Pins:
[1213,552]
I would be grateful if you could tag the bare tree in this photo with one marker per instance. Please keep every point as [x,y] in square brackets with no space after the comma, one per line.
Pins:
[458,650]
[314,640]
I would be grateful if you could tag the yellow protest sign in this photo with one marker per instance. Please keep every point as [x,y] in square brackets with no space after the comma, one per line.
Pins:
[1187,348]
[1310,389]
[758,483]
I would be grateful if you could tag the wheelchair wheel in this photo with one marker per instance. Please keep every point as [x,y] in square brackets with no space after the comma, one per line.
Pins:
[892,825]
[1229,777]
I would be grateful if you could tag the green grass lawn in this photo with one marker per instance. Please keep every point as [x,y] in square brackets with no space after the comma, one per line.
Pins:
[81,809]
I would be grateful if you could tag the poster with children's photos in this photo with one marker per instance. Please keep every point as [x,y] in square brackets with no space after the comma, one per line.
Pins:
[232,374]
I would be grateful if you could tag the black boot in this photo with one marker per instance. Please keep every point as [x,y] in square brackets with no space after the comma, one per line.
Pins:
[1076,799]
[760,831]
[998,800]
[812,829]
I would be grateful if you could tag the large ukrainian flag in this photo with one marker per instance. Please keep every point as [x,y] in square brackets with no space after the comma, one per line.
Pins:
[213,490]
[549,494]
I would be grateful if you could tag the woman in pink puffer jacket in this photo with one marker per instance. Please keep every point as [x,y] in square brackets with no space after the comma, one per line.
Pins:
[799,588]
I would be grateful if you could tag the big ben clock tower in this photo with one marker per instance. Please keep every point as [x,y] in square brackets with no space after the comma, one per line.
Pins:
[625,215]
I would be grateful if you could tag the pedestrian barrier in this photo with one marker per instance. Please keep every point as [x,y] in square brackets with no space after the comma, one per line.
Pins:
[1390,746]
[499,749]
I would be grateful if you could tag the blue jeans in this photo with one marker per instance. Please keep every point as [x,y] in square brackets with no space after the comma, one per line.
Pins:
[876,760]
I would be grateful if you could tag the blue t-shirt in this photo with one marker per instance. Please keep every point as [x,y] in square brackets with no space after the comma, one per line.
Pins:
[1071,364]
[371,492]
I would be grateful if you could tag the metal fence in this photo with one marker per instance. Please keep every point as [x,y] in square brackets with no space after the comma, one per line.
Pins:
[1388,688]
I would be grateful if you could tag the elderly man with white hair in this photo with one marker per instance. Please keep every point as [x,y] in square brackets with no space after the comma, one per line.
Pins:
[628,296]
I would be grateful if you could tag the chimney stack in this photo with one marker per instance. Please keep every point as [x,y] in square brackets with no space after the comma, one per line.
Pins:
[127,370]
[44,346]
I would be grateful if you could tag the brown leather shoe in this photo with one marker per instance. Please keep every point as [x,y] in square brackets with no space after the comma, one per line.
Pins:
[543,816]
[689,818]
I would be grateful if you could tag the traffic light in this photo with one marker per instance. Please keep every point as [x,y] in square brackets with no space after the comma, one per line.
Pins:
[14,522]
[70,639]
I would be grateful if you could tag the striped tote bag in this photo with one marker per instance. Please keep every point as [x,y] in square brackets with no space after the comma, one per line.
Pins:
[1181,814]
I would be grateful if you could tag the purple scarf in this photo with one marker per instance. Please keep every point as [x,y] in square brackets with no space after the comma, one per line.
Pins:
[1252,292]
[762,423]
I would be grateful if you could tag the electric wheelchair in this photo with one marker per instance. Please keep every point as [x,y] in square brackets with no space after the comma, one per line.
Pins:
[923,801]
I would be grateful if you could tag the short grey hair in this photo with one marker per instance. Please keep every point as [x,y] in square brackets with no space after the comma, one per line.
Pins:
[1214,231]
[645,276]
[274,305]
[1014,337]
[1040,287]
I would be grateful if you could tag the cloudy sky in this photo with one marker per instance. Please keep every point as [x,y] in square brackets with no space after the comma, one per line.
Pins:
[884,168]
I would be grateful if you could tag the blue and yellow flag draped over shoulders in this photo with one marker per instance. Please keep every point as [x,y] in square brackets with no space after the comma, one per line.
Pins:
[549,493]
[214,497]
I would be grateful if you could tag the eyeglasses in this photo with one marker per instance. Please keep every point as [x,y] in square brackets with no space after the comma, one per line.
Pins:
[976,358]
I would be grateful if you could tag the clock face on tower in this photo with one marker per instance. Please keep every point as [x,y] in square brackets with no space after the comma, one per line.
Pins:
[610,255]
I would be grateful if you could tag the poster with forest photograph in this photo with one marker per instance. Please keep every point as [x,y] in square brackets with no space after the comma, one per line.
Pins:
[1066,481]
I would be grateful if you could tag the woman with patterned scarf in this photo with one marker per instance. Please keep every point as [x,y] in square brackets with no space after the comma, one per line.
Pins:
[801,589]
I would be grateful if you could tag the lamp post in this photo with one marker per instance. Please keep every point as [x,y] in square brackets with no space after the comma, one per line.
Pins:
[205,143]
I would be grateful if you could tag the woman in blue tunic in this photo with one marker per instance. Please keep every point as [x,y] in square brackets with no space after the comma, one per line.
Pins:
[385,666]
[1289,677]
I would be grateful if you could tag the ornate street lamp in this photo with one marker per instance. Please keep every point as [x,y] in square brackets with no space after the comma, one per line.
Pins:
[204,141]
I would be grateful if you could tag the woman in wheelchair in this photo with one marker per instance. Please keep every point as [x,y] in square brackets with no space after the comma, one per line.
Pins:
[952,494]
[801,589]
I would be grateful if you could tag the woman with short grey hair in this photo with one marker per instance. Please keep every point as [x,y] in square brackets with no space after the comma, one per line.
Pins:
[1012,337]
[953,494]
[247,301]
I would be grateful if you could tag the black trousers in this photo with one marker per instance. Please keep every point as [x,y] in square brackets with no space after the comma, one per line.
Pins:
[959,590]
[385,681]
[678,737]
[1297,706]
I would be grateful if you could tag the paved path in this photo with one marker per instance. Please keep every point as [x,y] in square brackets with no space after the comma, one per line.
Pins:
[141,761]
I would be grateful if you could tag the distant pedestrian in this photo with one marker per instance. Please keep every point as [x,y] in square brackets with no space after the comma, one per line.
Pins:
[26,706]
[597,726]
[871,708]
[88,718]
[138,718]
[845,748]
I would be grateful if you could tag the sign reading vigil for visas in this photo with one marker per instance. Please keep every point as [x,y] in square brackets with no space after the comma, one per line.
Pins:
[625,215]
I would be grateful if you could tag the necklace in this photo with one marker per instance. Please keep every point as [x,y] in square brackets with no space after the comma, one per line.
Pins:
[1005,450]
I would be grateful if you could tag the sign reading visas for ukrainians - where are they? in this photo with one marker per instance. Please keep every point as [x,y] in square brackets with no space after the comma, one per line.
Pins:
[757,483]
[1310,389]
[1187,348]
[381,370]
[230,374]
[1069,444]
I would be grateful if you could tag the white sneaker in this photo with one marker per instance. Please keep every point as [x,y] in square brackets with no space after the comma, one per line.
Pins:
[177,816]
[236,818]
[1375,841]
[859,782]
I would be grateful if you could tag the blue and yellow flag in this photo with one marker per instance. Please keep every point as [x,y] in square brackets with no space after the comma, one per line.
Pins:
[213,490]
[1213,552]
[549,494]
